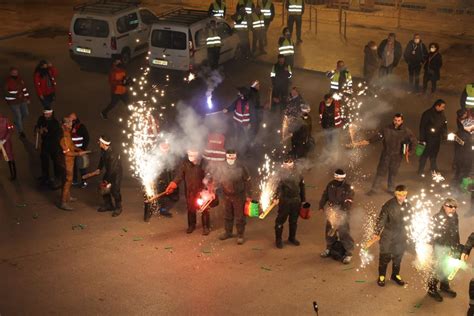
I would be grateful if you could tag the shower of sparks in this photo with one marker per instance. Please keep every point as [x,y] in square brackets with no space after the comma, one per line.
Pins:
[268,182]
[437,177]
[190,77]
[369,231]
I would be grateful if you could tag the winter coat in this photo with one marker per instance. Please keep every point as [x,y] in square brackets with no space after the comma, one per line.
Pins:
[80,135]
[393,139]
[330,116]
[397,53]
[337,193]
[469,244]
[50,138]
[254,98]
[15,91]
[446,230]
[110,161]
[192,175]
[433,65]
[415,54]
[234,179]
[371,63]
[463,153]
[6,131]
[46,84]
[433,125]
[301,138]
[281,75]
[393,238]
[291,187]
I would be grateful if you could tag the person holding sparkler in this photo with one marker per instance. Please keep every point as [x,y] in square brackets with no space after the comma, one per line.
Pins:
[191,171]
[338,196]
[390,227]
[446,241]
[234,179]
[291,194]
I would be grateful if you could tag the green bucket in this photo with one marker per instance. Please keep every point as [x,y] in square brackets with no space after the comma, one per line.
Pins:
[419,149]
[252,209]
[467,183]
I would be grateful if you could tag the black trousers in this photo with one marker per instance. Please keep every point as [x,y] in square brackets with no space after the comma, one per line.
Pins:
[47,155]
[234,210]
[258,36]
[426,79]
[388,164]
[384,260]
[114,194]
[431,151]
[78,172]
[114,100]
[47,101]
[414,76]
[345,237]
[213,55]
[287,210]
[292,19]
[192,212]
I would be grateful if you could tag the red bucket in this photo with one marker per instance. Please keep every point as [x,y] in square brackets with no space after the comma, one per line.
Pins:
[305,211]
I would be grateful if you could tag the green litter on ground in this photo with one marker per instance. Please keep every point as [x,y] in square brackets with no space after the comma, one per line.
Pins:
[418,305]
[168,247]
[124,229]
[137,238]
[265,268]
[206,251]
[360,281]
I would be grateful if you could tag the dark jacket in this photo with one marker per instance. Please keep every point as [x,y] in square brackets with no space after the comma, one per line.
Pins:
[192,175]
[50,138]
[80,130]
[330,116]
[235,180]
[393,139]
[281,75]
[446,230]
[415,54]
[110,161]
[469,244]
[291,187]
[337,193]
[397,54]
[391,225]
[301,138]
[433,65]
[463,153]
[371,63]
[254,98]
[433,125]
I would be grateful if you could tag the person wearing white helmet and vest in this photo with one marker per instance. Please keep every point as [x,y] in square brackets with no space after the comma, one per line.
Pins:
[217,9]
[341,79]
[286,47]
[258,31]
[242,26]
[268,11]
[248,5]
[295,10]
[213,44]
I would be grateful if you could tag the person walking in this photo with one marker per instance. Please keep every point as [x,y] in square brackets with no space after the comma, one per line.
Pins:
[18,98]
[118,82]
[390,52]
[415,55]
[432,67]
[45,83]
[295,10]
[6,148]
[281,79]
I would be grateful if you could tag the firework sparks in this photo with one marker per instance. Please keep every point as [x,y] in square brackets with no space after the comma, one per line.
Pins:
[369,231]
[268,183]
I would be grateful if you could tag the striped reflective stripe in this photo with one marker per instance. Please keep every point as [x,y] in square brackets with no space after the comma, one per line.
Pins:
[266,12]
[272,74]
[13,91]
[10,98]
[213,158]
[295,8]
[248,10]
[258,24]
[213,40]
[241,25]
[335,85]
[246,120]
[26,94]
[218,13]
[470,101]
[286,50]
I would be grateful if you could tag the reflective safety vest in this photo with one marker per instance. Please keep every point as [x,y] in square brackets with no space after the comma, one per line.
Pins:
[215,149]
[295,7]
[77,139]
[258,22]
[470,96]
[266,9]
[242,25]
[335,81]
[218,11]
[213,40]
[242,112]
[286,48]
[247,4]
[273,73]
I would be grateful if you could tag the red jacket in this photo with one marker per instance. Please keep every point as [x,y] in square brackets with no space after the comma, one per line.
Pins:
[6,130]
[215,150]
[328,118]
[46,85]
[116,77]
[15,91]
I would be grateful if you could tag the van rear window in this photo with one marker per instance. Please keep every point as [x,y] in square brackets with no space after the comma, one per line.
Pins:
[91,27]
[168,39]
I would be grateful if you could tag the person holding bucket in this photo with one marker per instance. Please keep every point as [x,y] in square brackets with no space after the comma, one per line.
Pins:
[337,198]
[234,179]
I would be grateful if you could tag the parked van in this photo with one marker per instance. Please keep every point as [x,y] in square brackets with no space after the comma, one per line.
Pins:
[178,40]
[107,28]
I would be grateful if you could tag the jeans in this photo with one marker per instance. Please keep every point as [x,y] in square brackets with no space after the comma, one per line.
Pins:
[47,101]
[20,112]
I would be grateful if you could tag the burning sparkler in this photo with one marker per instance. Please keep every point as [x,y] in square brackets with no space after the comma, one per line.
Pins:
[268,184]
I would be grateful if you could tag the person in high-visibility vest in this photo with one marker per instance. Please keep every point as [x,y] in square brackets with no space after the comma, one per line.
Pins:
[213,44]
[286,47]
[467,99]
[268,10]
[118,85]
[280,76]
[217,9]
[241,25]
[247,5]
[258,30]
[341,79]
[295,10]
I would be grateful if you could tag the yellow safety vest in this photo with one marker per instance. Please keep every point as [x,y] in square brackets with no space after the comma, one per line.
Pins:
[266,9]
[286,48]
[470,96]
[335,81]
[258,22]
[295,7]
[248,5]
[213,40]
[217,10]
[243,25]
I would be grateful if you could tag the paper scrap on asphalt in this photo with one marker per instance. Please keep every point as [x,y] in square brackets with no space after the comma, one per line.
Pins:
[265,268]
[137,238]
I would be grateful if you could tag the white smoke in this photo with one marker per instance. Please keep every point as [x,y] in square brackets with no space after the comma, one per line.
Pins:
[213,78]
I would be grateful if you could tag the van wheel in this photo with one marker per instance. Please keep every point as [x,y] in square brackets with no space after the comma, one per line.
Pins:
[125,56]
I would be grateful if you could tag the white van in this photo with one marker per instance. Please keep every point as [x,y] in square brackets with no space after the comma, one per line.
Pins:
[178,40]
[107,28]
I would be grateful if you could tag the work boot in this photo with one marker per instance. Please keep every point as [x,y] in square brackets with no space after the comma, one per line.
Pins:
[294,241]
[205,220]
[240,240]
[446,289]
[65,207]
[205,231]
[225,235]
[105,208]
[325,253]
[398,279]
[278,233]
[347,259]
[279,243]
[117,211]
[435,294]
[292,236]
[190,229]
[381,280]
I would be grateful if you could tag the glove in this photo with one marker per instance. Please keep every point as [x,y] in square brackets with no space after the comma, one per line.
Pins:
[171,187]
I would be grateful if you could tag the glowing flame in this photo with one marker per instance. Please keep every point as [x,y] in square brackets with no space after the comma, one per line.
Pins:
[268,183]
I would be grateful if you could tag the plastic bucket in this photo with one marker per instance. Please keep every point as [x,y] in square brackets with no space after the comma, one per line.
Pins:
[305,211]
[251,208]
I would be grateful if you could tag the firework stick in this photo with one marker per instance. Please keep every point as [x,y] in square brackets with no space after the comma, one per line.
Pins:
[156,197]
[352,132]
[90,175]
[269,209]
[205,205]
[4,153]
[453,274]
[370,242]
[214,113]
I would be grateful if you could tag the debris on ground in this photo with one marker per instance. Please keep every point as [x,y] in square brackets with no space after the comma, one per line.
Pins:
[265,268]
[137,238]
[79,226]
[125,229]
[21,205]
[360,281]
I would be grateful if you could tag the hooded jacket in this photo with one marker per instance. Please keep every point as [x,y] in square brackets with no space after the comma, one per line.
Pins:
[433,125]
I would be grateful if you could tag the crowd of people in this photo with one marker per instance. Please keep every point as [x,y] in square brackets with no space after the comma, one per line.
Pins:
[64,144]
